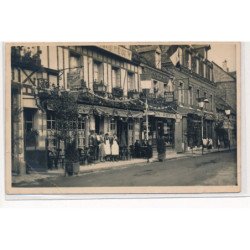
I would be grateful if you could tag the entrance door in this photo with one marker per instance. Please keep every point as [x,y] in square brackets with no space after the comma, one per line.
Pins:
[99,124]
[122,133]
[36,159]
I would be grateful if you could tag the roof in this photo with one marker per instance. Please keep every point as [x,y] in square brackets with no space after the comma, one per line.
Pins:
[231,74]
[223,105]
[147,48]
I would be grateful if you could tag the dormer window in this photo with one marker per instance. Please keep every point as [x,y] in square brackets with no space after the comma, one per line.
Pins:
[158,60]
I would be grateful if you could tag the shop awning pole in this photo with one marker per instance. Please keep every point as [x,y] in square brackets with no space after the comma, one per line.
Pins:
[146,118]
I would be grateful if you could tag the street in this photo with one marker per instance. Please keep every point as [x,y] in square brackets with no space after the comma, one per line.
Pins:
[211,169]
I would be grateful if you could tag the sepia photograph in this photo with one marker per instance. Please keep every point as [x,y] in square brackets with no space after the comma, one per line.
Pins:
[108,118]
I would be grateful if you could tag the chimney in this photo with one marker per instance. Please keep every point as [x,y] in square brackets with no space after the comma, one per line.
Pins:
[224,66]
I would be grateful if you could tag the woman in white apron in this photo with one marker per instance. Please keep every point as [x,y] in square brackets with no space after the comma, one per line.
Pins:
[115,149]
[107,146]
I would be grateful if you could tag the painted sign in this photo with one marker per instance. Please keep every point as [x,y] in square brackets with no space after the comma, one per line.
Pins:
[169,96]
[74,79]
[118,50]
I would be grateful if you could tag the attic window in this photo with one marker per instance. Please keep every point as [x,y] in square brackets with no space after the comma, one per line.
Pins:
[158,60]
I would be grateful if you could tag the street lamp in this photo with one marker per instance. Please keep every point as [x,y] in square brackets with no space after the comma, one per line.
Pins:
[202,103]
[228,112]
[146,85]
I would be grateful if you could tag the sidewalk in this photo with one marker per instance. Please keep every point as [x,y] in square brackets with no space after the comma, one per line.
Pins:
[171,155]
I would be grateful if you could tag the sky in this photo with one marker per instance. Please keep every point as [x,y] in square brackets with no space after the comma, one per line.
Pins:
[220,52]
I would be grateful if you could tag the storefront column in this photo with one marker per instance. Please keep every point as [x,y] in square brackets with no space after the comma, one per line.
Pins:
[19,163]
[184,133]
[87,131]
[178,135]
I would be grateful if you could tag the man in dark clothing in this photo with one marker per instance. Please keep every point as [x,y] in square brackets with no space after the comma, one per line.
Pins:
[161,148]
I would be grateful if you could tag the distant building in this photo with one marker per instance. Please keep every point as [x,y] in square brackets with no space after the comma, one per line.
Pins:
[226,83]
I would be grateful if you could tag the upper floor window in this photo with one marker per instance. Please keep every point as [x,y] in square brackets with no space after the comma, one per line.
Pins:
[197,96]
[193,66]
[211,102]
[74,62]
[50,120]
[190,96]
[201,68]
[131,81]
[116,77]
[181,93]
[98,71]
[158,60]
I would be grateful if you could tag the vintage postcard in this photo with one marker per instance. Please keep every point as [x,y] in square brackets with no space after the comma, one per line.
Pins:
[122,118]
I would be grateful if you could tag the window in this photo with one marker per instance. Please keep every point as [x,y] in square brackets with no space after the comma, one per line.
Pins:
[181,93]
[50,121]
[158,60]
[74,62]
[201,68]
[116,77]
[112,124]
[208,73]
[190,96]
[193,64]
[81,124]
[131,125]
[186,59]
[131,81]
[197,96]
[29,117]
[98,71]
[211,102]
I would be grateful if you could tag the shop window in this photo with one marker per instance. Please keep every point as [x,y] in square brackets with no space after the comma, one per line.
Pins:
[131,81]
[50,121]
[116,77]
[98,71]
[81,124]
[130,125]
[112,124]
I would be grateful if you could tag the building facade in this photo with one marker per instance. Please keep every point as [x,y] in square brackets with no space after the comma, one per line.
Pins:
[122,91]
[194,81]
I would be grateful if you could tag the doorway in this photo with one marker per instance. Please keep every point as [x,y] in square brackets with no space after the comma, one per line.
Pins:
[99,124]
[122,133]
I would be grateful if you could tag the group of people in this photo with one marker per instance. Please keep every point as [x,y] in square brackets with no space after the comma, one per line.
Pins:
[104,147]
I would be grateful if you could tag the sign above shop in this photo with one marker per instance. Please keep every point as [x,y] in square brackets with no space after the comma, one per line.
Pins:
[118,50]
[153,74]
[74,79]
[169,96]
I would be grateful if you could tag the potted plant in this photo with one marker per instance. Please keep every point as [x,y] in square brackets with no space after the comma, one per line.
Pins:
[72,165]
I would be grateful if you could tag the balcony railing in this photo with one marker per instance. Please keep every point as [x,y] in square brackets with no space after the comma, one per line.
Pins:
[133,94]
[117,92]
[99,87]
